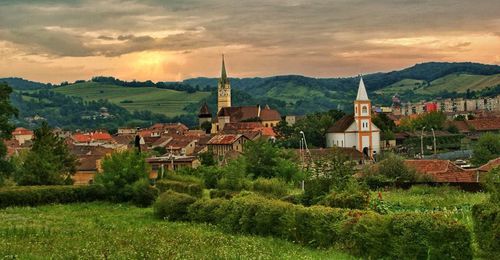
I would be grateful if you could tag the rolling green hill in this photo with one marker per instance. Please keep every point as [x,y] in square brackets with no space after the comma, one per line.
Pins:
[162,101]
[456,82]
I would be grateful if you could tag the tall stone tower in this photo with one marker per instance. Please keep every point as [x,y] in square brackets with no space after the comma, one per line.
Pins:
[223,89]
[363,119]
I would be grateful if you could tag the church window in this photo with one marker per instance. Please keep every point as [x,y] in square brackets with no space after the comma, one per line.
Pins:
[364,110]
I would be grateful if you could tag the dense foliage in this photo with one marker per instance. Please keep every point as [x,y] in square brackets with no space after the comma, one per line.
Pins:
[41,195]
[487,148]
[173,206]
[49,162]
[193,189]
[313,125]
[120,171]
[390,170]
[7,111]
[363,233]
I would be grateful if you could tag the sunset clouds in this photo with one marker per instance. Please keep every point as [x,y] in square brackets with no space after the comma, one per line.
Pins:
[172,40]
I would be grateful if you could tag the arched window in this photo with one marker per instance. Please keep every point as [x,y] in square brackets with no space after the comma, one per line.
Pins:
[364,110]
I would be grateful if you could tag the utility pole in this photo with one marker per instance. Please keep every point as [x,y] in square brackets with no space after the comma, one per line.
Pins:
[434,136]
[422,143]
[303,145]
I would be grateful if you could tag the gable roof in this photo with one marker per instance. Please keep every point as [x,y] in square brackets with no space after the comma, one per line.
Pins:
[22,131]
[341,125]
[268,114]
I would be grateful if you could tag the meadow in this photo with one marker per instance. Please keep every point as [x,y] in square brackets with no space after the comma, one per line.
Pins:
[162,101]
[118,231]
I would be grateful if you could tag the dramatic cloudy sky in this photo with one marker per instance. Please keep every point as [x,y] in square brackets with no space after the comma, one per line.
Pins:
[52,41]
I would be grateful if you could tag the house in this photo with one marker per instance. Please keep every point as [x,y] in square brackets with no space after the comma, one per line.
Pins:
[221,144]
[22,135]
[88,167]
[252,130]
[356,131]
[97,137]
[181,146]
[171,162]
[171,128]
[127,131]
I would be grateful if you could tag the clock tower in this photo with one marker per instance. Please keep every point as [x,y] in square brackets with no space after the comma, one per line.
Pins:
[223,89]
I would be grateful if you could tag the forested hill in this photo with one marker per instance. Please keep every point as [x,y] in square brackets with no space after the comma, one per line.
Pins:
[290,94]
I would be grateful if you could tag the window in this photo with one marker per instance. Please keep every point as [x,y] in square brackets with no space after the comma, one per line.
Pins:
[364,110]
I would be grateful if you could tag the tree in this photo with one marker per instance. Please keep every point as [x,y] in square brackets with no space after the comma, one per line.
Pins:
[49,162]
[120,171]
[487,148]
[391,169]
[492,182]
[263,159]
[7,111]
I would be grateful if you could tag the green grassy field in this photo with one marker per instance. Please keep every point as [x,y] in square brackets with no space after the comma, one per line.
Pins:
[456,203]
[103,230]
[458,82]
[163,101]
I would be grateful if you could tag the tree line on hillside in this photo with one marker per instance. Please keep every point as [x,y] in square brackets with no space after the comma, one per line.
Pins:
[73,113]
[178,86]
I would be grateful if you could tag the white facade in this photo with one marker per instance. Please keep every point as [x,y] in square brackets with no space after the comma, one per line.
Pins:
[356,131]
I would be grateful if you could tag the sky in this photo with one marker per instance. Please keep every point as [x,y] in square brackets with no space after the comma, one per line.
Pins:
[171,40]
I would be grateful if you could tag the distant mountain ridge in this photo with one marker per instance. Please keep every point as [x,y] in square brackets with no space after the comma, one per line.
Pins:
[295,94]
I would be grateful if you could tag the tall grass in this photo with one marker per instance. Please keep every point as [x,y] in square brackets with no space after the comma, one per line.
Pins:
[103,230]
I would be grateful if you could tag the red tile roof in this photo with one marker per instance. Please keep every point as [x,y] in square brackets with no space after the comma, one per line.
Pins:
[268,114]
[443,171]
[22,131]
[225,139]
[342,124]
[89,137]
[490,165]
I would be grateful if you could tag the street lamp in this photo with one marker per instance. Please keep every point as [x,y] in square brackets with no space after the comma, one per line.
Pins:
[303,146]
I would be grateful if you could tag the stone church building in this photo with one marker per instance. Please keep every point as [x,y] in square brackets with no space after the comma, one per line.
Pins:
[226,113]
[357,130]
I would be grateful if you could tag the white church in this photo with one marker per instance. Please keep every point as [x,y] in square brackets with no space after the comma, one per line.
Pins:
[356,131]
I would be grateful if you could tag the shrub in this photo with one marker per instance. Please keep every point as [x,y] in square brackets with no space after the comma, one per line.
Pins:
[120,171]
[172,205]
[203,210]
[224,194]
[234,184]
[143,193]
[274,187]
[184,178]
[347,199]
[40,195]
[363,233]
[487,227]
[193,189]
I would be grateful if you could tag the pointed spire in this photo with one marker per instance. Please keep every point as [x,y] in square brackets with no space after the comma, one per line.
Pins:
[362,95]
[223,76]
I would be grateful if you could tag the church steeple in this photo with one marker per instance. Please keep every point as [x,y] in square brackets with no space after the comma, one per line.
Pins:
[362,95]
[223,89]
[223,76]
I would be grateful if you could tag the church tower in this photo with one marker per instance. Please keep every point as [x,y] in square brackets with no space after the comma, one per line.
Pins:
[363,119]
[223,89]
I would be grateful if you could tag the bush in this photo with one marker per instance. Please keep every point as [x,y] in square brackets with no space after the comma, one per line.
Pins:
[120,171]
[234,184]
[363,233]
[224,194]
[347,199]
[275,187]
[487,227]
[193,189]
[40,195]
[144,193]
[204,210]
[172,205]
[184,178]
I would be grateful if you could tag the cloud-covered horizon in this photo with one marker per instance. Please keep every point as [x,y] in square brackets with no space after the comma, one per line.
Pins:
[52,41]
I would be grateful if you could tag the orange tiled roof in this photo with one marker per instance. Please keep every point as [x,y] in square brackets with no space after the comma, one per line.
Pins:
[490,165]
[443,171]
[224,139]
[22,131]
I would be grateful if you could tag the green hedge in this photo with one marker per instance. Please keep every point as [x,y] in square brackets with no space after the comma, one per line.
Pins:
[363,233]
[274,187]
[224,194]
[172,205]
[193,189]
[349,200]
[40,195]
[487,227]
